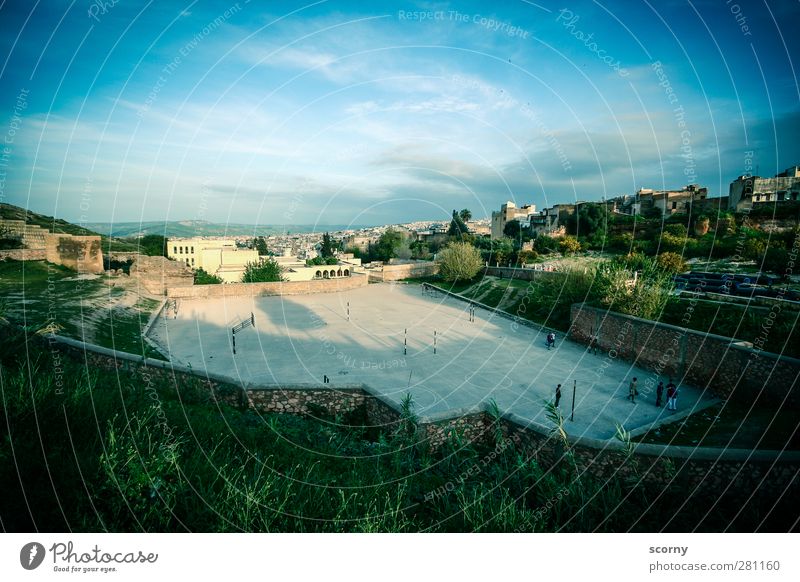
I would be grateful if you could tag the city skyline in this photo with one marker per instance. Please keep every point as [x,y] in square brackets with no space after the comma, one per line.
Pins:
[331,114]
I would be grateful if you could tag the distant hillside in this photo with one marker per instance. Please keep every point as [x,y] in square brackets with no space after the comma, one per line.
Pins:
[57,225]
[189,228]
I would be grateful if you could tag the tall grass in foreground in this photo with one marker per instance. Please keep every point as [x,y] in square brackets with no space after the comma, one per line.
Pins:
[111,453]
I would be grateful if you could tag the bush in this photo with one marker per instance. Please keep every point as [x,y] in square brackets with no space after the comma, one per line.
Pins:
[672,242]
[262,272]
[675,229]
[569,245]
[776,260]
[201,277]
[528,256]
[459,261]
[671,262]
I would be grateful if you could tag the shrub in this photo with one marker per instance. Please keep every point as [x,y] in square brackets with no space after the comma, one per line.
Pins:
[678,230]
[569,245]
[672,242]
[201,277]
[671,262]
[262,272]
[776,260]
[459,261]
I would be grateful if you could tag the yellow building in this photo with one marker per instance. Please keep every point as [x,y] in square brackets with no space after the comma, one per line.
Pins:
[509,212]
[216,256]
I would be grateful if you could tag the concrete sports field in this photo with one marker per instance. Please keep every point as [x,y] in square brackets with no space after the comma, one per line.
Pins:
[301,339]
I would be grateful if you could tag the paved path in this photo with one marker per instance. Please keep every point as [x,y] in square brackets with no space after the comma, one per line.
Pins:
[300,339]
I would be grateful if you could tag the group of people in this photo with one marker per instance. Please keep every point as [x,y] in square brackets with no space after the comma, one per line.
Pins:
[633,392]
[672,393]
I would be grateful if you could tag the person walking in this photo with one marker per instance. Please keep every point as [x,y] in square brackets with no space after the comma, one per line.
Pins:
[551,340]
[672,396]
[558,394]
[659,393]
[593,344]
[632,391]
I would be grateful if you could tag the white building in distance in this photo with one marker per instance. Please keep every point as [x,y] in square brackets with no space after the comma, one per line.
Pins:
[216,256]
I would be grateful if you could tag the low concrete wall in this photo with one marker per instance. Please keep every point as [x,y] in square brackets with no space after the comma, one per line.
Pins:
[708,470]
[406,271]
[717,363]
[267,289]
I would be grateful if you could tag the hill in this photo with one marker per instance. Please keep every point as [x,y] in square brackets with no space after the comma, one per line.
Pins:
[58,225]
[190,228]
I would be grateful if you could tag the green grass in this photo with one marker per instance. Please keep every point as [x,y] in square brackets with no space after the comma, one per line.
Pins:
[38,294]
[97,450]
[732,425]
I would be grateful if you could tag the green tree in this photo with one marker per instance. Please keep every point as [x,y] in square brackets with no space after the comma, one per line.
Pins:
[513,229]
[262,272]
[588,220]
[457,226]
[388,244]
[153,245]
[459,261]
[420,250]
[260,244]
[465,215]
[327,247]
[201,277]
[569,245]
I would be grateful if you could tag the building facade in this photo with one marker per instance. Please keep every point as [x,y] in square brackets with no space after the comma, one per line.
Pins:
[670,201]
[745,191]
[220,257]
[507,213]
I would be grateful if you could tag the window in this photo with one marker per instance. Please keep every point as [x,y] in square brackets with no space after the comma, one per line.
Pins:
[674,205]
[192,250]
[181,248]
[193,261]
[174,250]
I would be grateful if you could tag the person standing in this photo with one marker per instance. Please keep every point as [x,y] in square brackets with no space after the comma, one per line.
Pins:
[593,344]
[551,340]
[672,396]
[558,394]
[659,393]
[632,391]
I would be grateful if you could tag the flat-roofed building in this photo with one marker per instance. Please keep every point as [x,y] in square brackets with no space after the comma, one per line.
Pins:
[216,256]
[745,191]
[507,213]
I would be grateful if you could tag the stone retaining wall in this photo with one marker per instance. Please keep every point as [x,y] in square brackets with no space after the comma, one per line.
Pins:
[23,254]
[717,363]
[268,289]
[520,274]
[406,271]
[701,469]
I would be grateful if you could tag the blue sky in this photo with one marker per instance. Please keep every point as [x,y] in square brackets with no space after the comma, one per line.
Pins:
[384,112]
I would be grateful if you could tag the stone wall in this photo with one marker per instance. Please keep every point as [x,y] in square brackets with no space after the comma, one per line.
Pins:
[23,254]
[267,289]
[717,363]
[81,253]
[406,271]
[520,274]
[157,274]
[705,470]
